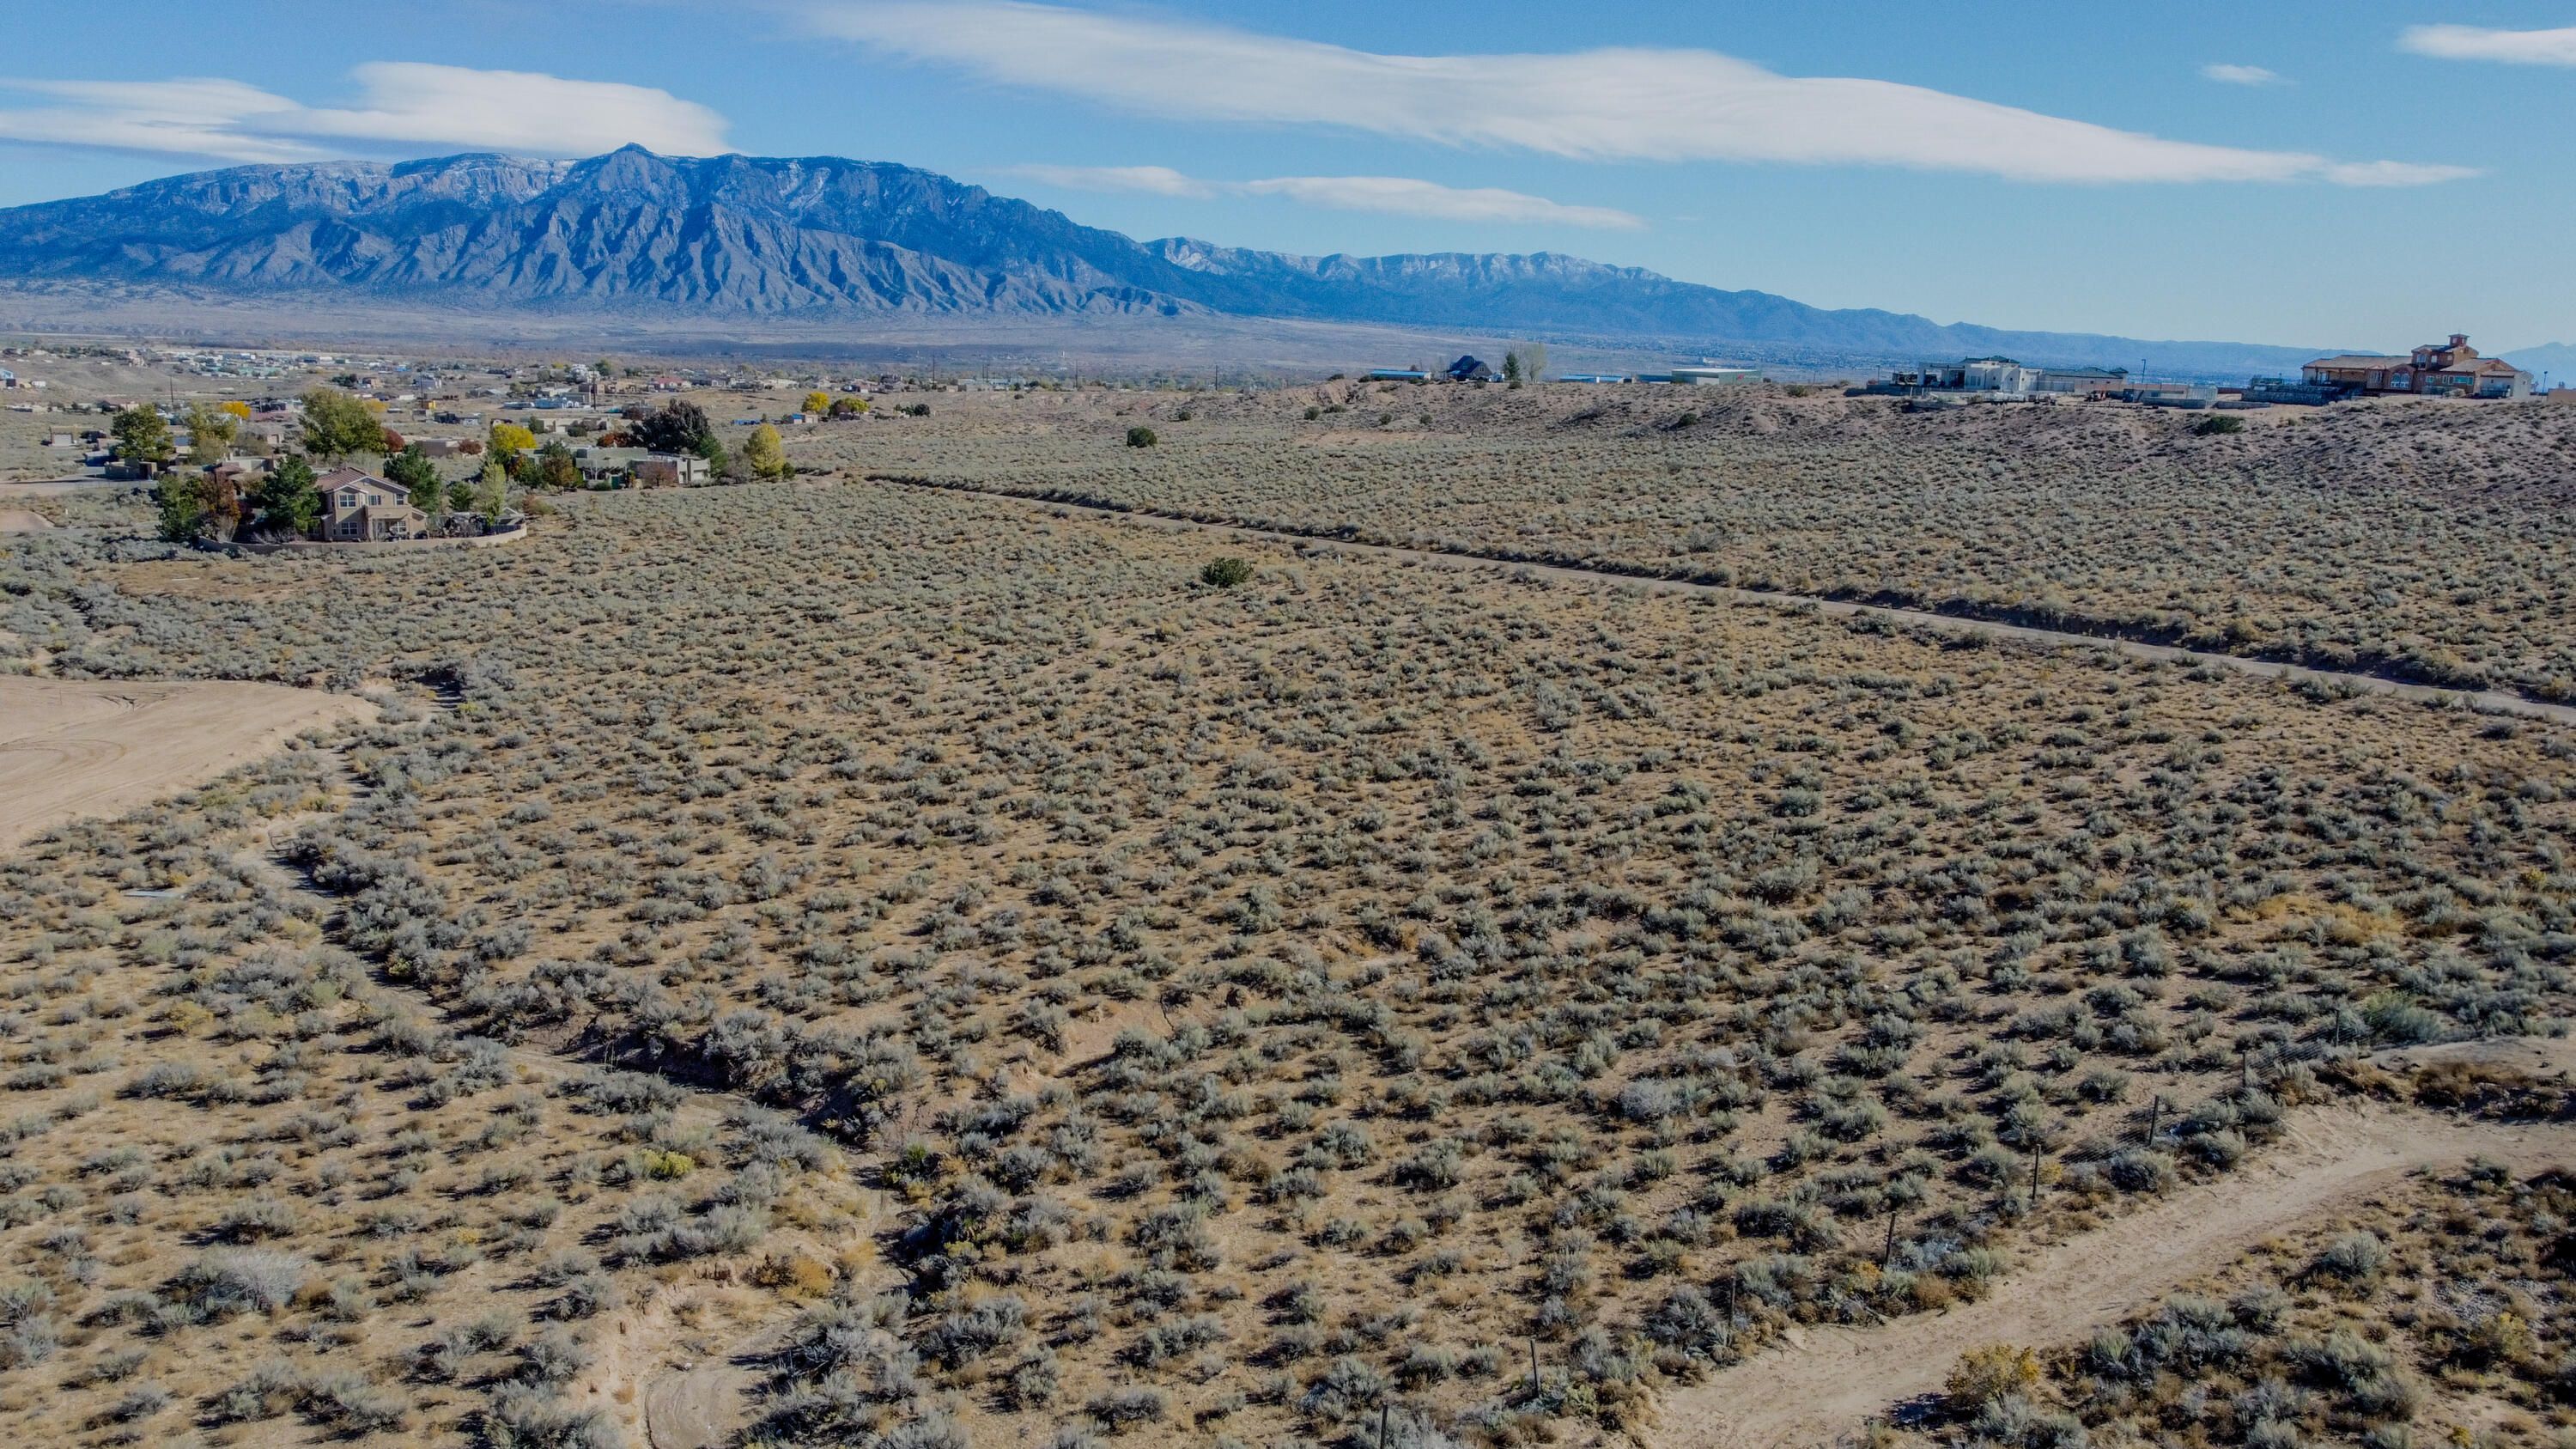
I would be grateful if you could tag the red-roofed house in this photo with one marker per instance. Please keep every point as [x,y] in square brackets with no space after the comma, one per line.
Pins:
[2451,369]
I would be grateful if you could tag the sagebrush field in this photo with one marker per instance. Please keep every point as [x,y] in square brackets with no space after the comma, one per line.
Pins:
[2419,537]
[851,962]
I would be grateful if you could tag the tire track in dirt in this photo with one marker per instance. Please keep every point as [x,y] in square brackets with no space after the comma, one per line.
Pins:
[1827,1380]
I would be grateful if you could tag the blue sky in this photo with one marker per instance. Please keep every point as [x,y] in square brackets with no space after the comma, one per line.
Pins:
[2300,175]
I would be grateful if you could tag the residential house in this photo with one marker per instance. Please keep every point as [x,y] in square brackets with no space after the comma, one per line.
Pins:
[1712,375]
[1975,374]
[1469,369]
[2088,381]
[242,473]
[362,508]
[2452,369]
[606,466]
[670,470]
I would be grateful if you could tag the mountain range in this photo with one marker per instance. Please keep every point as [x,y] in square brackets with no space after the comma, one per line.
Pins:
[760,243]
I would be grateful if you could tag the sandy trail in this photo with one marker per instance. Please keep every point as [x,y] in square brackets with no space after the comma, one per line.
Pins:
[70,748]
[1827,1380]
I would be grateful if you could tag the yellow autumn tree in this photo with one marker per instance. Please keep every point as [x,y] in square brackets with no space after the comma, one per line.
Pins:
[816,402]
[762,450]
[509,438]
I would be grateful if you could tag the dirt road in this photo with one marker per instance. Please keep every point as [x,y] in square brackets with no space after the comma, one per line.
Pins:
[2486,702]
[1828,1380]
[70,747]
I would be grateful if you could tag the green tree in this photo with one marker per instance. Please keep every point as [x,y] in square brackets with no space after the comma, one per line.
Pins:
[411,471]
[680,427]
[1511,369]
[336,424]
[182,506]
[766,455]
[492,491]
[1141,436]
[1225,573]
[556,467]
[286,499]
[141,436]
[210,434]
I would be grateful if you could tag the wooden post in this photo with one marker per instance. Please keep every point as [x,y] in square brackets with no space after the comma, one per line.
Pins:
[2034,1176]
[1533,1365]
[1887,1254]
[1383,1409]
[2155,1105]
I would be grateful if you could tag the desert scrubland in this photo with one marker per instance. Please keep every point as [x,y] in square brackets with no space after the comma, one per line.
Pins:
[2422,538]
[850,961]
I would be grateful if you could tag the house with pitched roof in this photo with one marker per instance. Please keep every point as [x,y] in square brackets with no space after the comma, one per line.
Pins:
[2452,369]
[360,507]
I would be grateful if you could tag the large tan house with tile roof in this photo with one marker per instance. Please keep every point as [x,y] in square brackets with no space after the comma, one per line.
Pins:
[2436,369]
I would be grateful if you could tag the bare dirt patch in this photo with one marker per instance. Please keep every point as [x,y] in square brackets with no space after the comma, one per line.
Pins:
[70,748]
[19,520]
[214,580]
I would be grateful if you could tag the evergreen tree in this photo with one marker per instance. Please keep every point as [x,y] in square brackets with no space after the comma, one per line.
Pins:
[286,499]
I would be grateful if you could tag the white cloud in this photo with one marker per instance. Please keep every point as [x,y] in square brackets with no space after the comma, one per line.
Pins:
[1397,195]
[1155,180]
[2469,42]
[1405,196]
[2240,75]
[407,104]
[2395,173]
[1625,104]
